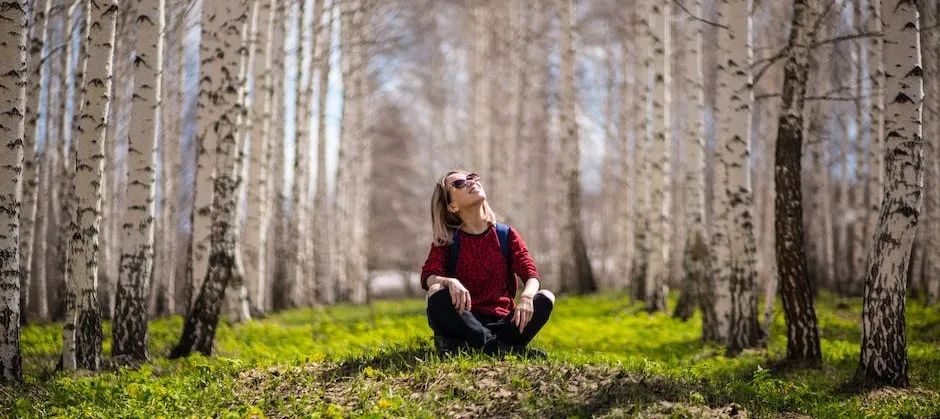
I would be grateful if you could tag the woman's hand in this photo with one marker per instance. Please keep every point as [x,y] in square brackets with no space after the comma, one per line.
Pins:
[523,312]
[459,295]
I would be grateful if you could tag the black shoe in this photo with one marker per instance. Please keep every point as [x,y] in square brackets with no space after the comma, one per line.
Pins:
[446,346]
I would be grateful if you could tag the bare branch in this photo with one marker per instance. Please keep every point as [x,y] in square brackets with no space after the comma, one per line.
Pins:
[771,60]
[682,6]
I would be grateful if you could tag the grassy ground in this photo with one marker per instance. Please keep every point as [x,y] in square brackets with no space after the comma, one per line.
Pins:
[607,358]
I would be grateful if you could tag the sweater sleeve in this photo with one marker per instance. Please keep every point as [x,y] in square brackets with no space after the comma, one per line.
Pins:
[436,264]
[522,263]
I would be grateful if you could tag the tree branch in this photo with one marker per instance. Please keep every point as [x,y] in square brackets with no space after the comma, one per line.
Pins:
[766,96]
[771,60]
[845,38]
[682,6]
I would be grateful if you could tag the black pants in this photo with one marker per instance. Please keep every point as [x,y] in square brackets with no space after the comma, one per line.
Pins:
[481,331]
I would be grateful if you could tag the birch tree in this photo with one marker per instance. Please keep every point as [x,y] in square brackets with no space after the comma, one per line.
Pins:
[137,244]
[36,73]
[83,336]
[874,155]
[257,223]
[322,241]
[13,75]
[802,332]
[626,130]
[358,260]
[299,209]
[695,252]
[575,266]
[660,141]
[734,149]
[206,145]
[223,43]
[884,349]
[641,206]
[931,40]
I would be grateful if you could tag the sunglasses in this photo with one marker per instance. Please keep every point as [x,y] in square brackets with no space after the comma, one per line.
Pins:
[461,183]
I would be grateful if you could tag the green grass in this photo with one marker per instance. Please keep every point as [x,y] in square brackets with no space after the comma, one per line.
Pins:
[607,358]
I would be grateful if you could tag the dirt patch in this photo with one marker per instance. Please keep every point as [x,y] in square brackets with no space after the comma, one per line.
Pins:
[496,389]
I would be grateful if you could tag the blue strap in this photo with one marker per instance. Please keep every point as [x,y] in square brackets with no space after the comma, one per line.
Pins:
[452,253]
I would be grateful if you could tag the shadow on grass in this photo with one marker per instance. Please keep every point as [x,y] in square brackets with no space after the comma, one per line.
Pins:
[624,392]
[390,360]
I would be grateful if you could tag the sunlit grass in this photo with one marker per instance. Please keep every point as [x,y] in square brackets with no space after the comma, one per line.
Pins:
[606,356]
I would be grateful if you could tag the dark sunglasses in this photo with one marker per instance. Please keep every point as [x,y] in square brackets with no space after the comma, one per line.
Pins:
[461,183]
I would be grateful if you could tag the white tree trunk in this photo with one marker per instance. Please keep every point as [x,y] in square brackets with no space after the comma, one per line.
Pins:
[575,266]
[130,320]
[720,288]
[479,133]
[695,252]
[735,143]
[13,78]
[299,209]
[884,347]
[257,223]
[641,110]
[660,140]
[874,157]
[624,217]
[358,267]
[931,184]
[83,336]
[205,164]
[225,24]
[239,309]
[802,332]
[38,33]
[322,228]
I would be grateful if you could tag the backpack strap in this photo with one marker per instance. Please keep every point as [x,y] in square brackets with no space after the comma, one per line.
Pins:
[502,231]
[452,252]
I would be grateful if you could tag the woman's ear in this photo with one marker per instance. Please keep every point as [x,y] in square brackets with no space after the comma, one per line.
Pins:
[452,208]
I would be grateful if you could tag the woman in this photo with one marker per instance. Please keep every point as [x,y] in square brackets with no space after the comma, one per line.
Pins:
[471,281]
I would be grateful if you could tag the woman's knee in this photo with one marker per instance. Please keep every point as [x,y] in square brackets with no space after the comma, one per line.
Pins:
[434,289]
[545,295]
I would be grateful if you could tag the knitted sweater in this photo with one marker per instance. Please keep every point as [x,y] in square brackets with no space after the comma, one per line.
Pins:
[481,268]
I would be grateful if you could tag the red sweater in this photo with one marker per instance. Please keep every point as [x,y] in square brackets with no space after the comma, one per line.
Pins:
[482,269]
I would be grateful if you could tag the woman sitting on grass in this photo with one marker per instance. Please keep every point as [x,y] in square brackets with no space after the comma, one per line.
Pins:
[470,275]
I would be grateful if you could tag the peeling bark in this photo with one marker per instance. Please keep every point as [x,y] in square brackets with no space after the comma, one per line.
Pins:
[83,335]
[884,347]
[130,321]
[224,26]
[13,80]
[802,331]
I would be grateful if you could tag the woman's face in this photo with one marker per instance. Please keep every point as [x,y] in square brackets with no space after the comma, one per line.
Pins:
[465,190]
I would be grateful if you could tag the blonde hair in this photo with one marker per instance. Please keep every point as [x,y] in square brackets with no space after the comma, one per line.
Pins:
[443,222]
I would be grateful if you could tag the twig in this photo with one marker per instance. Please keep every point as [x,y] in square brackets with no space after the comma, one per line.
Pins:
[770,61]
[810,98]
[845,38]
[681,6]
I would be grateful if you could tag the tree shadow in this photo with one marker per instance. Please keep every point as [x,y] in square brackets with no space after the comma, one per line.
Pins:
[390,360]
[620,393]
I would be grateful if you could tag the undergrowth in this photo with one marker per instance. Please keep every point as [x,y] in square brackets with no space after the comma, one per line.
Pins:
[608,357]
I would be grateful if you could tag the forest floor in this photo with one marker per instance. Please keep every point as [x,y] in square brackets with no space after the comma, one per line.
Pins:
[607,357]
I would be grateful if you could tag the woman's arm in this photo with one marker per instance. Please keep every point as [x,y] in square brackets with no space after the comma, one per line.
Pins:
[531,287]
[434,266]
[522,263]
